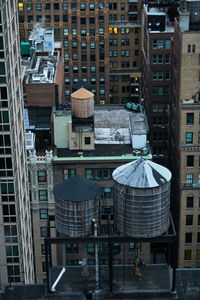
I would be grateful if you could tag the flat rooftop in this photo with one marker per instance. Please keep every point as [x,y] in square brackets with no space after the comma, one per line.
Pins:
[187,285]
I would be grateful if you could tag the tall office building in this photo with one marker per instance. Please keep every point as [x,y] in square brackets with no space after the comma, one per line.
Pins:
[16,260]
[158,30]
[101,41]
[185,132]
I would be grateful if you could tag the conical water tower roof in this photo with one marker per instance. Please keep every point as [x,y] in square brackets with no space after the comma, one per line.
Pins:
[82,94]
[142,174]
[77,189]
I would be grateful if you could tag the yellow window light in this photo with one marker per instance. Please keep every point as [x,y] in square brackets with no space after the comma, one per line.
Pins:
[115,30]
[110,30]
[127,30]
[137,89]
[21,6]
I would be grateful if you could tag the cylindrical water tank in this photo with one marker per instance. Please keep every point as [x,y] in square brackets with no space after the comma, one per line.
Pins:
[76,204]
[142,198]
[82,103]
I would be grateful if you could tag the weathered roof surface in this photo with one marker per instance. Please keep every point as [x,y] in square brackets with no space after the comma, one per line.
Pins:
[77,189]
[82,94]
[142,174]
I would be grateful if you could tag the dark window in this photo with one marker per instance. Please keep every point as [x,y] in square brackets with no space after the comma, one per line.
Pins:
[198,219]
[90,248]
[71,248]
[190,160]
[189,220]
[190,202]
[43,231]
[198,237]
[188,237]
[190,119]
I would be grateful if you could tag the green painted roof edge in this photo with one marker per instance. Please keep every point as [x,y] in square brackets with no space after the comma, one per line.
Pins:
[123,157]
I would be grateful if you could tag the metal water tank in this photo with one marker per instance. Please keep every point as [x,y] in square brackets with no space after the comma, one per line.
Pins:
[82,103]
[142,198]
[76,204]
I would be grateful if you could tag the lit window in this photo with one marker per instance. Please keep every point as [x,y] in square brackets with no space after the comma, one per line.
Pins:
[198,254]
[115,30]
[188,254]
[69,173]
[21,6]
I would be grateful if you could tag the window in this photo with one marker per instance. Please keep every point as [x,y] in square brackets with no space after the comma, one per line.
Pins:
[101,30]
[14,273]
[43,249]
[87,140]
[189,137]
[189,220]
[198,237]
[157,44]
[91,6]
[193,48]
[167,58]
[189,178]
[83,45]
[101,19]
[190,202]
[101,5]
[73,5]
[42,195]
[21,6]
[188,237]
[65,6]
[131,247]
[116,261]
[69,173]
[99,173]
[73,19]
[90,248]
[92,45]
[108,192]
[189,49]
[167,44]
[43,231]
[71,248]
[44,266]
[12,254]
[91,262]
[56,6]
[65,31]
[190,160]
[188,254]
[29,7]
[43,213]
[157,90]
[198,254]
[41,176]
[157,59]
[38,6]
[82,7]
[157,75]
[189,118]
[73,262]
[198,220]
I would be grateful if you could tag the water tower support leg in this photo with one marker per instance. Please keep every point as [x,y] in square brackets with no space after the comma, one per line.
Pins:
[174,267]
